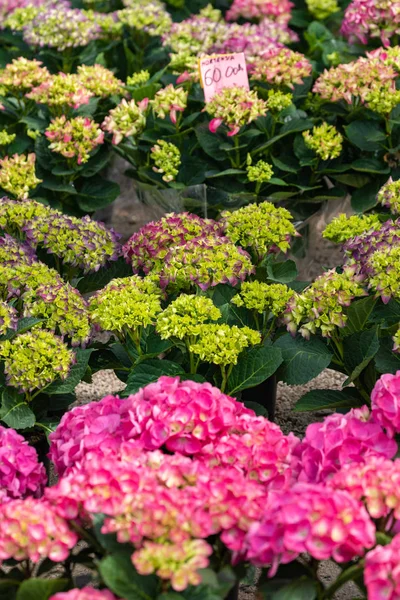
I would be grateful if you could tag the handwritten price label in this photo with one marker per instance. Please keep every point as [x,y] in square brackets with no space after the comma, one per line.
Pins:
[222,71]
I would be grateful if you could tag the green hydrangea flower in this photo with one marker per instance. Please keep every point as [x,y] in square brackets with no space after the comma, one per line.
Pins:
[20,17]
[262,227]
[16,277]
[100,81]
[15,215]
[6,138]
[184,316]
[343,228]
[138,78]
[126,119]
[18,176]
[151,17]
[384,266]
[261,172]
[382,100]
[222,344]
[35,359]
[126,304]
[8,317]
[389,196]
[325,140]
[278,101]
[321,307]
[167,159]
[322,9]
[396,340]
[263,297]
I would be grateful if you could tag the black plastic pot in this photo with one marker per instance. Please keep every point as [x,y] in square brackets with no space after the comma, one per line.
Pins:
[234,593]
[264,394]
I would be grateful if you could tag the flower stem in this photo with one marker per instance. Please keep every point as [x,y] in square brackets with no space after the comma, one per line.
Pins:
[348,575]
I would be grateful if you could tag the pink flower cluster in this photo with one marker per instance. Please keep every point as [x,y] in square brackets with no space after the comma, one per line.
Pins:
[86,593]
[376,483]
[277,10]
[385,402]
[21,474]
[365,19]
[382,572]
[33,529]
[313,519]
[340,440]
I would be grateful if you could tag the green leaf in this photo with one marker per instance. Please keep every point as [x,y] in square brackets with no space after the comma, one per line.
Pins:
[292,126]
[148,371]
[283,272]
[358,351]
[95,164]
[366,135]
[226,172]
[324,399]
[155,346]
[24,325]
[387,361]
[107,540]
[364,198]
[15,412]
[303,589]
[370,165]
[259,409]
[254,367]
[40,589]
[302,359]
[96,281]
[97,193]
[210,142]
[386,315]
[121,577]
[358,314]
[54,184]
[75,376]
[146,91]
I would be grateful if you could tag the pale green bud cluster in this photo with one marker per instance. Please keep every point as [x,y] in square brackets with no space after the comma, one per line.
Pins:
[35,359]
[322,306]
[126,304]
[262,227]
[184,316]
[321,9]
[20,17]
[343,228]
[8,317]
[382,100]
[263,297]
[169,100]
[126,119]
[151,17]
[222,344]
[389,196]
[100,81]
[138,78]
[6,138]
[278,101]
[261,172]
[167,160]
[211,13]
[325,140]
[385,276]
[18,176]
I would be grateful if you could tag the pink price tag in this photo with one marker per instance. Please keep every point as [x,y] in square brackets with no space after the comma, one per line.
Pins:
[222,71]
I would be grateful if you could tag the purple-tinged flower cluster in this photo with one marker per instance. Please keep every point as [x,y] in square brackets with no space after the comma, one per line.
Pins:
[366,19]
[277,10]
[8,317]
[21,474]
[147,248]
[389,196]
[254,40]
[359,249]
[150,17]
[75,138]
[280,67]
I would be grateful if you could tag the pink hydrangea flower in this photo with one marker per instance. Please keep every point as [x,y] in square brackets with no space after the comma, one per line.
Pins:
[313,519]
[32,529]
[86,593]
[365,19]
[338,440]
[21,474]
[382,573]
[277,10]
[385,402]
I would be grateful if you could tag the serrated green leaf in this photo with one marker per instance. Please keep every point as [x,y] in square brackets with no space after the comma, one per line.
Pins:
[97,193]
[358,314]
[254,366]
[96,281]
[148,371]
[302,359]
[15,411]
[366,135]
[329,399]
[358,351]
[282,272]
[387,361]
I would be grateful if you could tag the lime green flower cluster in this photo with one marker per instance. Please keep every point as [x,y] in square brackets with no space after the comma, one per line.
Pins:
[17,277]
[22,75]
[110,28]
[261,172]
[278,101]
[263,297]
[384,266]
[74,138]
[222,344]
[343,228]
[15,215]
[325,140]
[184,61]
[184,316]
[6,138]
[35,359]
[209,12]
[138,78]
[396,339]
[126,119]
[321,307]
[20,17]
[389,196]
[100,81]
[169,101]
[126,304]
[322,9]
[235,107]
[62,307]
[151,17]
[382,100]
[18,176]
[167,159]
[8,317]
[262,227]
